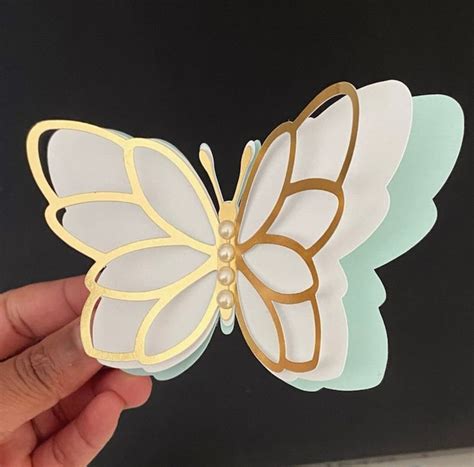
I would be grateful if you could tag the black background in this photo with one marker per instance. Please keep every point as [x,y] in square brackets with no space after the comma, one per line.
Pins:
[224,73]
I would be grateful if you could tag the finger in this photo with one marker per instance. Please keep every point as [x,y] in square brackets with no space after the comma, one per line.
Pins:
[34,311]
[82,439]
[134,390]
[40,376]
[17,448]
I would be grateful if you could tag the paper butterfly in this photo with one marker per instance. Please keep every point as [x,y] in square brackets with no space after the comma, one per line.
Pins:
[291,256]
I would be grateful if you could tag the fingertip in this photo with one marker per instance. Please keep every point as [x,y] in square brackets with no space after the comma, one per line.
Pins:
[104,410]
[100,418]
[133,390]
[138,390]
[75,291]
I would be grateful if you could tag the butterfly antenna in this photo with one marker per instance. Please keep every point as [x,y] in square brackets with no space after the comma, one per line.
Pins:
[207,161]
[247,157]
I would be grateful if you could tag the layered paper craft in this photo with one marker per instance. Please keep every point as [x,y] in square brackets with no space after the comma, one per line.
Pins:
[323,202]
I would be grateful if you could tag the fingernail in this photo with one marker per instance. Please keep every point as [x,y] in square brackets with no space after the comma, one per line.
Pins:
[76,335]
[72,345]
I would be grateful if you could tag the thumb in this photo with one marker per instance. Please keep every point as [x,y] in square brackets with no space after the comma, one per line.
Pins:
[36,379]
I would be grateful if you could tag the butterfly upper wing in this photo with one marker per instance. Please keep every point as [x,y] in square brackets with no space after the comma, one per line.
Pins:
[316,191]
[140,211]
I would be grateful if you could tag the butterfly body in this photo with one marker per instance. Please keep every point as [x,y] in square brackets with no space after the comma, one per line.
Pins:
[226,261]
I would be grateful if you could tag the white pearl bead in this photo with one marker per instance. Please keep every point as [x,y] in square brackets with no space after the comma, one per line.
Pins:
[227,229]
[225,299]
[226,252]
[225,275]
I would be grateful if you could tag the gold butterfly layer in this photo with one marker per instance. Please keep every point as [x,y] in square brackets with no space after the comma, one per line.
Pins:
[226,257]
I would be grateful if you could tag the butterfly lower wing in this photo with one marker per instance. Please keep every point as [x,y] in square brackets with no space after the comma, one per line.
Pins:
[120,197]
[154,334]
[331,197]
[280,340]
[175,369]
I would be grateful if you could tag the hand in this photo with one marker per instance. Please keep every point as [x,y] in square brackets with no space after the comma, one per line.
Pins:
[57,407]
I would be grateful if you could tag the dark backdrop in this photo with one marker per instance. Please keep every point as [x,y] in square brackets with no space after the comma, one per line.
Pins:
[225,73]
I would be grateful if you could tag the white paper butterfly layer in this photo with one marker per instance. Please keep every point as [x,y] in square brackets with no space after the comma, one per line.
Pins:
[168,265]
